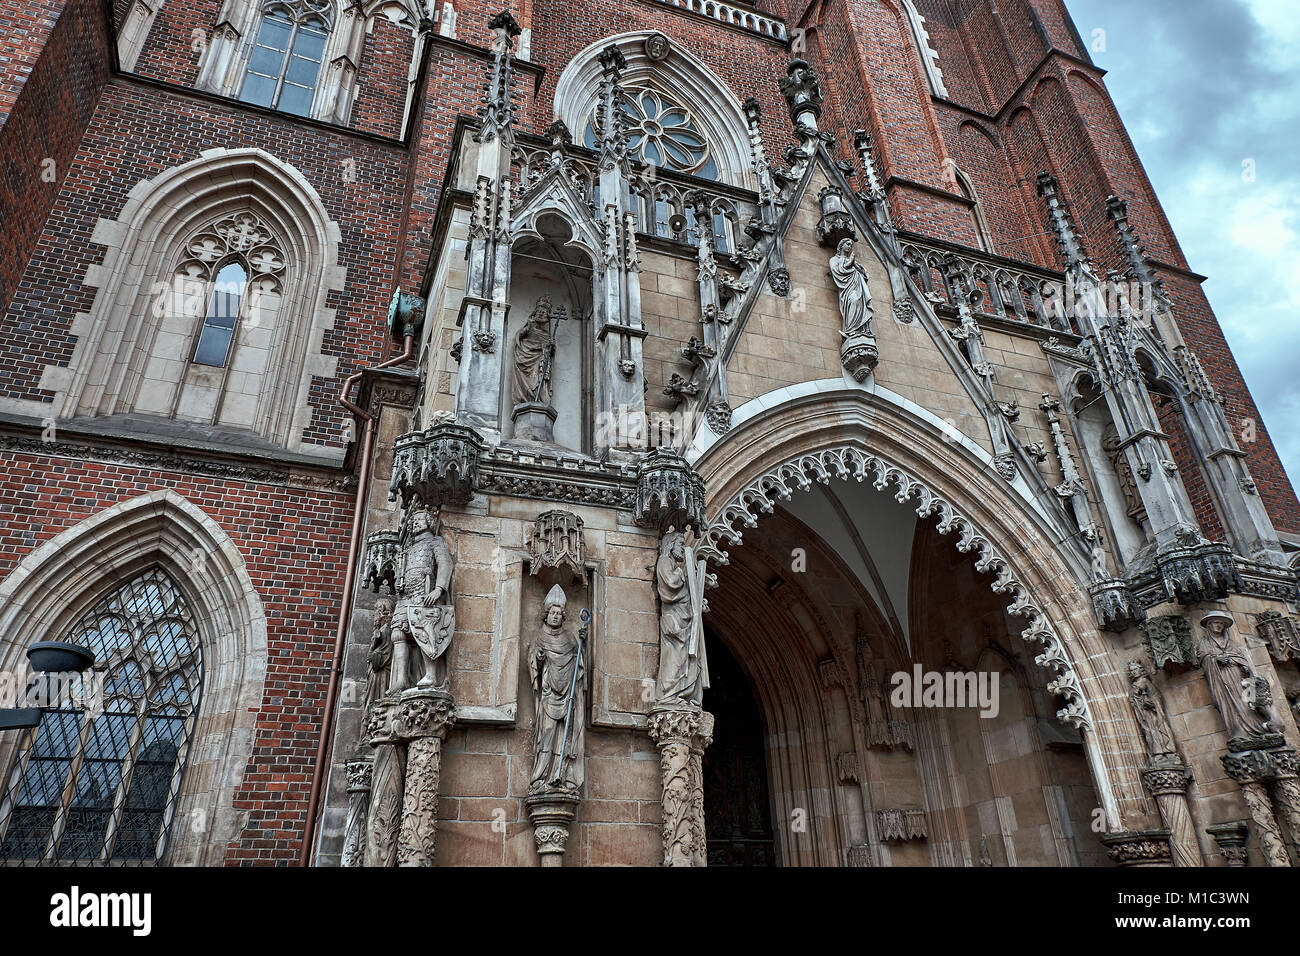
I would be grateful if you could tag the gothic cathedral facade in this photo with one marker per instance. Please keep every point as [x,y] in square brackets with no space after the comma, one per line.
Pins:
[646,432]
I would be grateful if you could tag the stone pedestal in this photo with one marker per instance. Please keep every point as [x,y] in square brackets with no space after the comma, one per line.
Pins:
[859,355]
[354,831]
[386,784]
[681,734]
[1231,838]
[1168,784]
[422,719]
[1145,848]
[534,421]
[1253,769]
[551,812]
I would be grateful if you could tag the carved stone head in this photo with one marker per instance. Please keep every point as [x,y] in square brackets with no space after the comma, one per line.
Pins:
[541,311]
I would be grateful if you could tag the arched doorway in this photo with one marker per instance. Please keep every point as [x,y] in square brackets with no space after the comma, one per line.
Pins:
[821,642]
[737,811]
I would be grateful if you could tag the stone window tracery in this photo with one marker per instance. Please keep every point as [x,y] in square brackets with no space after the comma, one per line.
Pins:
[662,132]
[97,781]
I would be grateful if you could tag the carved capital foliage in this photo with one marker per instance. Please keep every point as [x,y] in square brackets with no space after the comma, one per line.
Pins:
[1258,766]
[358,771]
[424,713]
[1150,848]
[436,466]
[669,493]
[1170,639]
[859,355]
[1165,780]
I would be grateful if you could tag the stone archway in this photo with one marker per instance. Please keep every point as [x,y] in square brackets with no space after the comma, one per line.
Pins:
[820,432]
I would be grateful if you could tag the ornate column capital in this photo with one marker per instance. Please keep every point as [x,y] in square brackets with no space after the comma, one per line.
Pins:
[551,813]
[1231,838]
[380,720]
[1139,848]
[424,712]
[1167,780]
[359,770]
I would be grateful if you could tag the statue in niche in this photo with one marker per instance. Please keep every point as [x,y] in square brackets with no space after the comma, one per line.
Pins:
[679,579]
[855,294]
[1235,686]
[530,381]
[557,671]
[1150,713]
[424,614]
[380,655]
[1110,444]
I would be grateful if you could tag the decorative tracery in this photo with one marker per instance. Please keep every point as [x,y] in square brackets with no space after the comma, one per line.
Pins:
[661,132]
[98,780]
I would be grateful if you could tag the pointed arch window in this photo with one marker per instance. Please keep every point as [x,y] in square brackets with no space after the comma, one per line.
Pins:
[284,66]
[97,781]
[213,346]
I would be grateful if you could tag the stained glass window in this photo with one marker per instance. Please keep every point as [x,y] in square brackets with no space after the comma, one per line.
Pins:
[97,781]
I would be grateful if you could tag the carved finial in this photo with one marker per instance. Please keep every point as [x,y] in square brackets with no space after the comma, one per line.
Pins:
[497,111]
[803,93]
[613,140]
[1067,239]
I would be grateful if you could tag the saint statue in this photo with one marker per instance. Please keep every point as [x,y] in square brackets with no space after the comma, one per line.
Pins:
[1150,712]
[683,667]
[855,295]
[1234,684]
[380,654]
[557,672]
[424,614]
[530,381]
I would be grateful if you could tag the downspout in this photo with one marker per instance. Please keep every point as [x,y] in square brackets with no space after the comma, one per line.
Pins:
[345,607]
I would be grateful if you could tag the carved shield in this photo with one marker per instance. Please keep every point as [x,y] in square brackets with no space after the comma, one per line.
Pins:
[435,629]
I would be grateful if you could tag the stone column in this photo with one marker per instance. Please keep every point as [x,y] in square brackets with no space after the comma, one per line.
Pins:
[551,813]
[1231,838]
[1250,768]
[1144,848]
[386,785]
[354,831]
[1169,786]
[681,734]
[424,716]
[1286,793]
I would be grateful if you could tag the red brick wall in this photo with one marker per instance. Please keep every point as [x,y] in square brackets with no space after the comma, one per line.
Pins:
[53,64]
[137,133]
[294,544]
[385,64]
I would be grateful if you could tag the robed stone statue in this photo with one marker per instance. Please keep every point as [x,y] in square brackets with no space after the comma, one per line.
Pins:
[854,293]
[679,579]
[558,671]
[1150,713]
[530,381]
[424,615]
[1234,683]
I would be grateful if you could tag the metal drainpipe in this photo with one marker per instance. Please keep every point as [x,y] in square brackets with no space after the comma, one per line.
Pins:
[345,608]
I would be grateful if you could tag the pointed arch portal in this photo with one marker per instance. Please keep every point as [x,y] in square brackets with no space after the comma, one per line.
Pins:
[837,588]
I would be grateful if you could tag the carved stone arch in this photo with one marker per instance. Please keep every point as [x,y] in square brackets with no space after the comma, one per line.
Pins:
[554,195]
[52,586]
[713,105]
[781,444]
[144,243]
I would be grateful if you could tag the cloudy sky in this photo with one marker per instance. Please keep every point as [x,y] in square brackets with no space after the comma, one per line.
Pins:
[1203,86]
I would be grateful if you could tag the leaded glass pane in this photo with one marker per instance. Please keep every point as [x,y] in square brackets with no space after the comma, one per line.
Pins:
[96,783]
